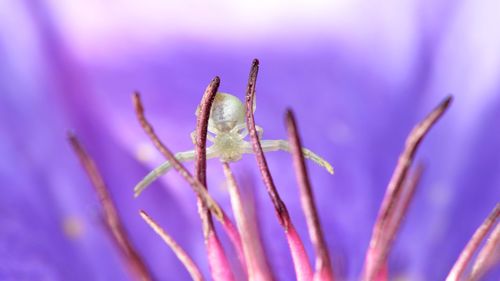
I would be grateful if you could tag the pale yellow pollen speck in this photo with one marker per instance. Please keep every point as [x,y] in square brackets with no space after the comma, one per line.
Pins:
[73,227]
[145,152]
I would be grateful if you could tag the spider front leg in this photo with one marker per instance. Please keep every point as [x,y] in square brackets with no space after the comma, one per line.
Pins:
[242,130]
[260,131]
[193,137]
[275,145]
[166,166]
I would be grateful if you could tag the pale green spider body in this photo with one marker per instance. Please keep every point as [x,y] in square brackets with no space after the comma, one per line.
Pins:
[228,126]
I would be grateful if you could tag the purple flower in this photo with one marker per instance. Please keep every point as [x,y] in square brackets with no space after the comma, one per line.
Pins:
[358,77]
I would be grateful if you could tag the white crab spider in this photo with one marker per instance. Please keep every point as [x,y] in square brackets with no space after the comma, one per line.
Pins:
[228,126]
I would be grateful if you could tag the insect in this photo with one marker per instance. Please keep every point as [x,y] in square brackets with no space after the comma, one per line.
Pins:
[227,131]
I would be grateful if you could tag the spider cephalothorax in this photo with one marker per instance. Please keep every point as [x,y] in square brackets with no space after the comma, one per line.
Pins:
[228,126]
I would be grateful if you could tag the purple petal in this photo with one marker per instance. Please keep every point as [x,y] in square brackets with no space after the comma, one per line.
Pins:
[358,77]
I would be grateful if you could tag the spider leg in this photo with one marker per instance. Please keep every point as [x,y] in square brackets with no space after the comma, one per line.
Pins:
[240,127]
[275,145]
[161,170]
[260,131]
[166,166]
[193,137]
[210,138]
[244,130]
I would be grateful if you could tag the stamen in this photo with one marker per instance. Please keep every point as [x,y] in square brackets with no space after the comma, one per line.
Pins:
[400,209]
[220,268]
[200,150]
[323,269]
[393,193]
[201,174]
[110,215]
[299,256]
[410,186]
[201,130]
[258,268]
[198,188]
[488,256]
[185,259]
[476,239]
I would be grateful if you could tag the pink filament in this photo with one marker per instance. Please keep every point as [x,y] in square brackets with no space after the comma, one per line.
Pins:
[219,265]
[303,269]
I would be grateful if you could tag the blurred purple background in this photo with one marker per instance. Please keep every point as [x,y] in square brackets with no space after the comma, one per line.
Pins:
[358,75]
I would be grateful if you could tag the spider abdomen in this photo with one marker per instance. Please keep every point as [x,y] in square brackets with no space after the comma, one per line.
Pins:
[227,112]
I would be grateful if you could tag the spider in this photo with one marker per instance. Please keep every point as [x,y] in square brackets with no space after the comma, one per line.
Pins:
[228,126]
